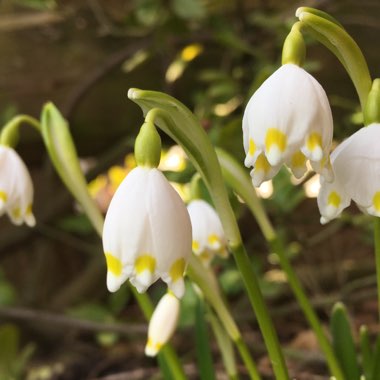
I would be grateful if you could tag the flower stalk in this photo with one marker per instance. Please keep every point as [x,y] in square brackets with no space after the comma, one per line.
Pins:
[10,133]
[180,124]
[240,182]
[331,34]
[207,282]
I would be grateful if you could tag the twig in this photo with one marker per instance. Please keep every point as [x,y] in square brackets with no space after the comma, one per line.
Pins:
[25,21]
[145,373]
[59,320]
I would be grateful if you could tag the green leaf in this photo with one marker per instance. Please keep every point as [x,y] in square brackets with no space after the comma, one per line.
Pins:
[202,344]
[23,357]
[343,342]
[9,339]
[231,282]
[366,353]
[188,304]
[225,346]
[78,224]
[376,361]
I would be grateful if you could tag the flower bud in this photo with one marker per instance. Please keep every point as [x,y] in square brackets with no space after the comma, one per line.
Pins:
[162,324]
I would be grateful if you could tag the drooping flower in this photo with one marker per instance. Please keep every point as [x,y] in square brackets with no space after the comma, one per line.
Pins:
[356,166]
[147,233]
[162,323]
[16,188]
[287,120]
[208,234]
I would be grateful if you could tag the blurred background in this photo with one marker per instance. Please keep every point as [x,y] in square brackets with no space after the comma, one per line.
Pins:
[57,320]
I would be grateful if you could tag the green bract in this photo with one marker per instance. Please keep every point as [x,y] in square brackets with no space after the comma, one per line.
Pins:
[148,146]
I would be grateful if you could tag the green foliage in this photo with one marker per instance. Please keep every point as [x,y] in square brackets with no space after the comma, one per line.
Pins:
[343,342]
[189,9]
[286,197]
[348,353]
[8,294]
[13,358]
[202,343]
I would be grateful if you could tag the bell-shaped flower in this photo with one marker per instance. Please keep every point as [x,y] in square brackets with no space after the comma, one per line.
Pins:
[16,188]
[162,323]
[287,120]
[208,234]
[356,166]
[147,233]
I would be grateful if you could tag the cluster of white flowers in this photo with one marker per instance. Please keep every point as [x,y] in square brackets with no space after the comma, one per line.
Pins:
[150,234]
[288,121]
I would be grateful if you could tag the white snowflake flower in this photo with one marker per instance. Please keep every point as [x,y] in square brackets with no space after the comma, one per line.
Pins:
[16,188]
[162,324]
[147,233]
[356,166]
[287,120]
[208,234]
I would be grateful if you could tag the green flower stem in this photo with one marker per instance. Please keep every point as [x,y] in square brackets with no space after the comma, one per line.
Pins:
[225,346]
[240,182]
[307,309]
[180,124]
[9,133]
[167,352]
[377,256]
[59,144]
[336,39]
[206,281]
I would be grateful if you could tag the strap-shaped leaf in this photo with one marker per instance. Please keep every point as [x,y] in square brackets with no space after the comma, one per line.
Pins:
[376,361]
[343,342]
[202,343]
[366,353]
[225,346]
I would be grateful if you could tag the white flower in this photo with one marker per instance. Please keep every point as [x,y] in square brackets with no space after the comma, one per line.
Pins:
[356,166]
[162,324]
[208,234]
[16,188]
[147,233]
[287,120]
